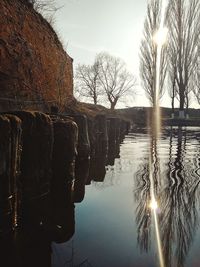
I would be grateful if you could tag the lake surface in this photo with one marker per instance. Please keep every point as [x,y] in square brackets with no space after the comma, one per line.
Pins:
[114,224]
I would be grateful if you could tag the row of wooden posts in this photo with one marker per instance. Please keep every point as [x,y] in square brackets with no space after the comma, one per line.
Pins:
[45,163]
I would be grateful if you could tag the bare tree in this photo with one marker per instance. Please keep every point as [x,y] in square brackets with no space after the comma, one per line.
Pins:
[149,53]
[195,81]
[105,80]
[115,80]
[87,82]
[184,30]
[47,8]
[172,84]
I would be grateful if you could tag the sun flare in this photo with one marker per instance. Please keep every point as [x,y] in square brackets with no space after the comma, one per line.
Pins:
[160,36]
[153,204]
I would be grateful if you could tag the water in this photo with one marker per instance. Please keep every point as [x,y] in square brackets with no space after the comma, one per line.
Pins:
[114,225]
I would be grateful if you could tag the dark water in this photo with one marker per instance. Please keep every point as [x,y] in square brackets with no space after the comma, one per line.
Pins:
[114,226]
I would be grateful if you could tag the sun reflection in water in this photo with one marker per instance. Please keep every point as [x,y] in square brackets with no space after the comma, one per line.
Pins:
[161,259]
[153,204]
[154,207]
[159,39]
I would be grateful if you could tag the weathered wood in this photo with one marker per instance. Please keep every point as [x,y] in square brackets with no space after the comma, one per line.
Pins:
[64,152]
[27,248]
[63,164]
[63,226]
[35,178]
[15,159]
[92,138]
[101,142]
[112,141]
[123,129]
[10,147]
[83,148]
[5,186]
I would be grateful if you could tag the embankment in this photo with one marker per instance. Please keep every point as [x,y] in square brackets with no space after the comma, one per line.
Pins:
[35,71]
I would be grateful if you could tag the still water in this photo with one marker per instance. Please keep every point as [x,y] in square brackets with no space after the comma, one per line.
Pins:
[114,224]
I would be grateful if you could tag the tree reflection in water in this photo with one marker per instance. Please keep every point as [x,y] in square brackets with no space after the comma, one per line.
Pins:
[177,191]
[142,197]
[143,194]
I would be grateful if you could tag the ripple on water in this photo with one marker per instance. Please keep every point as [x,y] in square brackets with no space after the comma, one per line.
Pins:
[114,224]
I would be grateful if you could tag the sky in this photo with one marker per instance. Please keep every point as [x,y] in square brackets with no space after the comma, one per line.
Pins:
[87,27]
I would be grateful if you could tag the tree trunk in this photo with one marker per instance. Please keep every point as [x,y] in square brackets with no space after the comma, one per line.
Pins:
[95,100]
[172,114]
[173,96]
[182,101]
[112,105]
[187,106]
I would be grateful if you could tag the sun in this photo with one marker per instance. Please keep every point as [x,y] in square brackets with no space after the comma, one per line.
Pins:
[160,37]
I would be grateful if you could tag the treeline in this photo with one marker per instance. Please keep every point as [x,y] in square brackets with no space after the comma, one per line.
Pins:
[179,57]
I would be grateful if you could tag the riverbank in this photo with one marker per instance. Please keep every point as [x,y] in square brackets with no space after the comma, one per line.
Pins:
[181,122]
[139,116]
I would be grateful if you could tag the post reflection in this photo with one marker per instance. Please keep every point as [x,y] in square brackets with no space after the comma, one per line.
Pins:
[176,186]
[87,171]
[82,174]
[97,169]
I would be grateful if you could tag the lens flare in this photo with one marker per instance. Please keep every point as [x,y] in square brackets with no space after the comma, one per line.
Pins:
[160,36]
[153,204]
[159,39]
